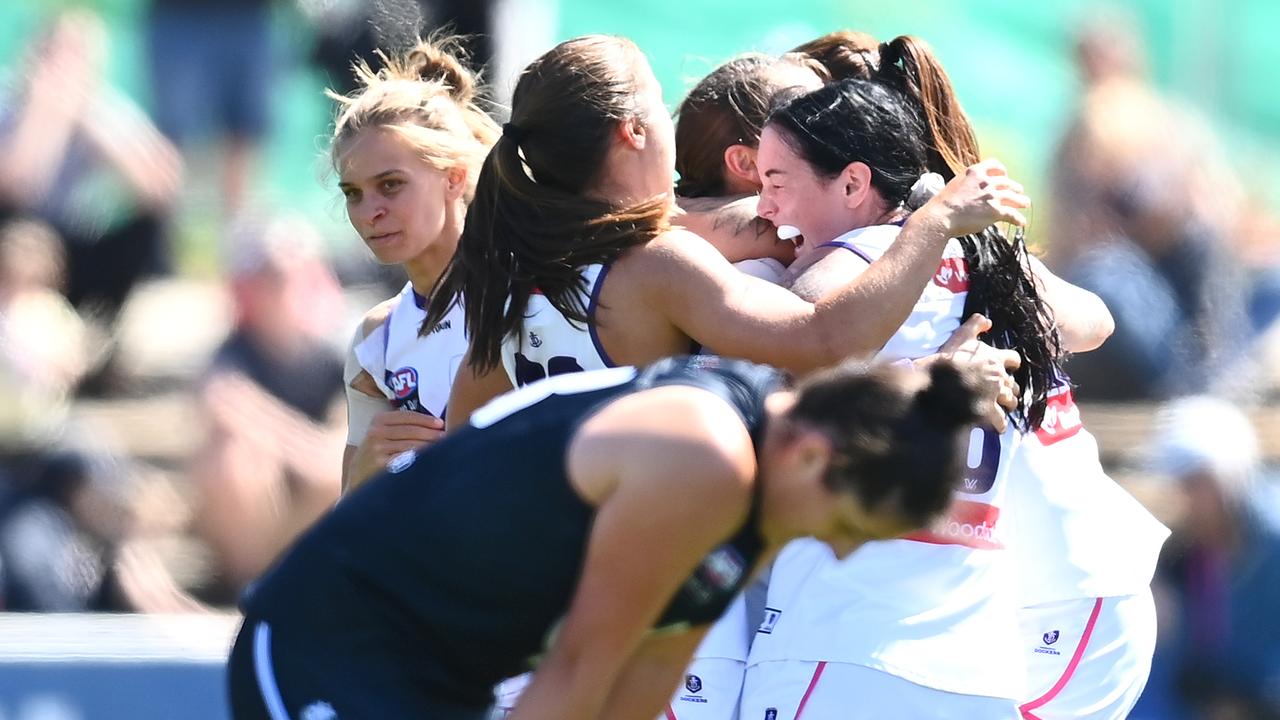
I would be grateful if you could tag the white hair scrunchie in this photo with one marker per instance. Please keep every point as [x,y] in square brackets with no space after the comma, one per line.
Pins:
[927,186]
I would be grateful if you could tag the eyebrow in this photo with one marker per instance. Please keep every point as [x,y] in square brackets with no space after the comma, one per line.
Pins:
[771,173]
[379,176]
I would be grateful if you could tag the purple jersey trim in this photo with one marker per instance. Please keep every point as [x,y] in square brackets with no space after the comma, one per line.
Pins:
[591,317]
[847,246]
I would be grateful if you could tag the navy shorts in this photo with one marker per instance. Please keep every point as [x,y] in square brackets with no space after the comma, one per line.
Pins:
[271,680]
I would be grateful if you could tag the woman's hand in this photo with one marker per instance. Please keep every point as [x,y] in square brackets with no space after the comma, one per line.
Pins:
[981,196]
[995,366]
[390,434]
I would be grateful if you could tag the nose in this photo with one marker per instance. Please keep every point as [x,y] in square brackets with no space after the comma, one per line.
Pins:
[766,207]
[366,213]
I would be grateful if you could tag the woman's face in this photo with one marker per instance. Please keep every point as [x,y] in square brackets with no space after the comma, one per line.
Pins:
[396,201]
[791,193]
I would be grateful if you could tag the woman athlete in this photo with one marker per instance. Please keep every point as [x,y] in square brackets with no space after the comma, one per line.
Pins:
[590,524]
[579,187]
[407,147]
[1083,550]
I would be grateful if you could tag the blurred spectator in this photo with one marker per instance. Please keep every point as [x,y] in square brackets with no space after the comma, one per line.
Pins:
[71,542]
[272,460]
[213,63]
[83,158]
[350,30]
[1219,656]
[1143,217]
[44,346]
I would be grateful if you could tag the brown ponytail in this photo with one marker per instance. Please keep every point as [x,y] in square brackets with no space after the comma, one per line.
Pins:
[908,65]
[532,226]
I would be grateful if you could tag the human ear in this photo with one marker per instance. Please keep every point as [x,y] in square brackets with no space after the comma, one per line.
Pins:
[455,182]
[633,132]
[740,161]
[857,184]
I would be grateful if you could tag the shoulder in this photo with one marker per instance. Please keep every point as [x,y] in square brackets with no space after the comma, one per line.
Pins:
[680,430]
[674,252]
[375,317]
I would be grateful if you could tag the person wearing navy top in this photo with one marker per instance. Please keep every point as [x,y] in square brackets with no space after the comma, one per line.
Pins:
[592,525]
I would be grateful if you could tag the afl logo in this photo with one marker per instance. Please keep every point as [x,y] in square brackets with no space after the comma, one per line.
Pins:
[403,382]
[692,683]
[953,274]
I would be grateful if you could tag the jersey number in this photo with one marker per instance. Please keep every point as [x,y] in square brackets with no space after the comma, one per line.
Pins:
[528,371]
[982,461]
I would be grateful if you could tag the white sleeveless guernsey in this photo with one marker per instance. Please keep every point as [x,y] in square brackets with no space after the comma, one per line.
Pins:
[414,371]
[933,608]
[549,344]
[1077,534]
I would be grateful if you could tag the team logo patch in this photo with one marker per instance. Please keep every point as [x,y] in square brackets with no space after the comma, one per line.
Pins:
[692,683]
[403,382]
[534,340]
[1051,637]
[1061,418]
[953,274]
[771,616]
[771,714]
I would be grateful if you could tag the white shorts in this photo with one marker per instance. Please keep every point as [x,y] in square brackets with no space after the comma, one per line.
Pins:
[711,691]
[791,690]
[1087,658]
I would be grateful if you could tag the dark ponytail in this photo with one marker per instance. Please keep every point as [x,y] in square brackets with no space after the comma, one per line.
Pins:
[1000,284]
[897,435]
[532,227]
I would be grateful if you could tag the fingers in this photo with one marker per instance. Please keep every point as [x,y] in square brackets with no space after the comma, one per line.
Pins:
[996,418]
[1010,359]
[966,333]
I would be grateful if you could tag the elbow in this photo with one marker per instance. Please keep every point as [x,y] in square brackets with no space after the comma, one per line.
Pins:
[1086,336]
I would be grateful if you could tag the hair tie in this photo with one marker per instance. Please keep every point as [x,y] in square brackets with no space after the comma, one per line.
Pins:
[926,187]
[514,132]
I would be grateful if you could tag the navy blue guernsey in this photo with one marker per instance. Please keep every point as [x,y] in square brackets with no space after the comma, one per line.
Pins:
[458,566]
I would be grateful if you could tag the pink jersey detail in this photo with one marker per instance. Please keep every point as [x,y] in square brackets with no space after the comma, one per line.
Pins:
[1071,668]
[813,683]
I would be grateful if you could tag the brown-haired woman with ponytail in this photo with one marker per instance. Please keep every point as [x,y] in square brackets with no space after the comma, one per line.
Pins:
[407,147]
[1079,617]
[579,188]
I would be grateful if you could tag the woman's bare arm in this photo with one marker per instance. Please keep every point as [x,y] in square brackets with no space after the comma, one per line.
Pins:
[471,391]
[676,480]
[1082,317]
[700,292]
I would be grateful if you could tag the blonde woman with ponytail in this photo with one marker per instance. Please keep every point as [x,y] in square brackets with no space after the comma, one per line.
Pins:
[407,148]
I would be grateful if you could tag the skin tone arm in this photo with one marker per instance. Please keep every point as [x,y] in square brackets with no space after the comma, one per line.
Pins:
[1082,317]
[667,493]
[700,293]
[732,226]
[470,391]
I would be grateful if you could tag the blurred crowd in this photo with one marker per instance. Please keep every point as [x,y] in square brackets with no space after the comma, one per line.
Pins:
[1146,211]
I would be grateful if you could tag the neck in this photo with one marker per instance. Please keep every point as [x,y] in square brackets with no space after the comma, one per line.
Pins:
[427,267]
